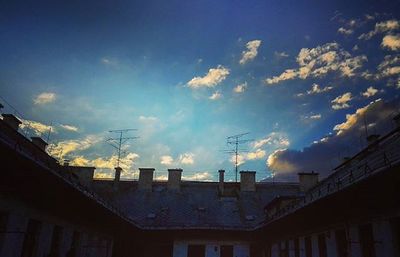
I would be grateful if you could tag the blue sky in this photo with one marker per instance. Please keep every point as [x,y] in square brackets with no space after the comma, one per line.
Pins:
[297,75]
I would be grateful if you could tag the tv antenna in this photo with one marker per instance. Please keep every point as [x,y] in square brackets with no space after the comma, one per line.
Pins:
[118,142]
[236,140]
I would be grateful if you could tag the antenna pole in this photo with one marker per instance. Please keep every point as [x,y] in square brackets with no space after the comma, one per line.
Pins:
[118,142]
[236,141]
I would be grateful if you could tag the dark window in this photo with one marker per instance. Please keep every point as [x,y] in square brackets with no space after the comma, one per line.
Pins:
[3,227]
[296,247]
[196,251]
[322,246]
[341,243]
[367,240]
[226,251]
[31,238]
[395,223]
[73,251]
[284,249]
[308,246]
[56,241]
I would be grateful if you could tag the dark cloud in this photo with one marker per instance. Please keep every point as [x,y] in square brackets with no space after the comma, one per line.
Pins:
[346,139]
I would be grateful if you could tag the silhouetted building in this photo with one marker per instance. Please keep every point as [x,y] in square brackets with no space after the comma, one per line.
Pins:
[51,210]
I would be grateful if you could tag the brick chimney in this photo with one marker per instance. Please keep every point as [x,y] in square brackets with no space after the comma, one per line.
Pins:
[221,181]
[307,180]
[84,174]
[11,121]
[174,179]
[39,142]
[117,177]
[247,181]
[145,178]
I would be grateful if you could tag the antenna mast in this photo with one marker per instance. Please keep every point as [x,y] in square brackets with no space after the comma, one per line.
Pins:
[118,142]
[236,140]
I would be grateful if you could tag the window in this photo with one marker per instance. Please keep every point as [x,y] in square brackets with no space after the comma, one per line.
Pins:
[3,227]
[308,246]
[284,249]
[341,243]
[73,251]
[296,247]
[56,241]
[196,251]
[226,251]
[322,246]
[367,240]
[31,238]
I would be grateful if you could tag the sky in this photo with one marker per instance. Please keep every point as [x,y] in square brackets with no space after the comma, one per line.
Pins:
[308,80]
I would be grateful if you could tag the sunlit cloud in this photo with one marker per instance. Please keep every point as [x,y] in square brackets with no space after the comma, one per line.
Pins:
[198,176]
[341,102]
[319,61]
[211,79]
[215,96]
[63,148]
[316,89]
[371,91]
[38,128]
[186,158]
[274,139]
[258,154]
[166,160]
[391,42]
[240,88]
[345,31]
[44,98]
[381,27]
[251,52]
[69,127]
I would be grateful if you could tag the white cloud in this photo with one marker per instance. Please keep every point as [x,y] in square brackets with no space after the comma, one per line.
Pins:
[69,127]
[211,79]
[166,160]
[251,52]
[371,91]
[215,96]
[280,55]
[392,42]
[381,27]
[186,158]
[147,119]
[316,117]
[341,102]
[316,89]
[317,62]
[44,98]
[345,31]
[240,88]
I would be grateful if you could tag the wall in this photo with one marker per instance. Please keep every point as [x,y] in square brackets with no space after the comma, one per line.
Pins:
[212,248]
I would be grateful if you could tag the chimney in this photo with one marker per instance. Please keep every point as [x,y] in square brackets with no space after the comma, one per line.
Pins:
[11,121]
[221,181]
[39,142]
[174,179]
[145,178]
[84,174]
[117,177]
[247,181]
[307,180]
